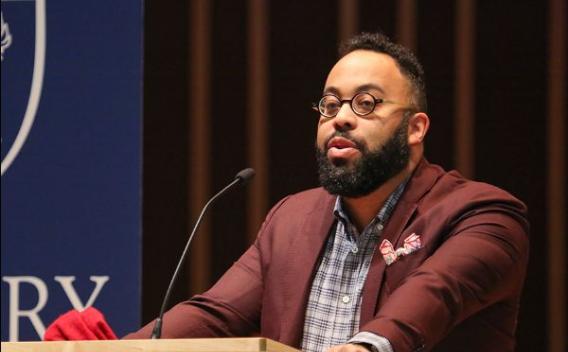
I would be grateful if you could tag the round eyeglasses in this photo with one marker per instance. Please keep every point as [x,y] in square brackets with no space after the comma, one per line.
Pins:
[362,104]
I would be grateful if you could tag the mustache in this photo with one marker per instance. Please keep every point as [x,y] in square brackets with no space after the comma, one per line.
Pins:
[361,145]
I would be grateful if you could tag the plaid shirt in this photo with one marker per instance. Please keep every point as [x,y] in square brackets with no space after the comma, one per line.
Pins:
[334,305]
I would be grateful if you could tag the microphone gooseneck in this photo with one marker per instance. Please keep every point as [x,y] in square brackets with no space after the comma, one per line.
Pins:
[243,177]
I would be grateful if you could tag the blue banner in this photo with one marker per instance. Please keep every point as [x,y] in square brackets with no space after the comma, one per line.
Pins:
[71,162]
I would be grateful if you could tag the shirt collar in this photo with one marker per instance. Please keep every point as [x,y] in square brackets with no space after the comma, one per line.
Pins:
[384,213]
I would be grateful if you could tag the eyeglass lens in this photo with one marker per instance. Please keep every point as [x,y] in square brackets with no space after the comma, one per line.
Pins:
[361,104]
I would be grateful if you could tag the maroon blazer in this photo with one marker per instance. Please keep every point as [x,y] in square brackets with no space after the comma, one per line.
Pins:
[459,292]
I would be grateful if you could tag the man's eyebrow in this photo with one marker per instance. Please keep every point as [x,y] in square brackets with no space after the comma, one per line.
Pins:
[361,88]
[331,90]
[370,86]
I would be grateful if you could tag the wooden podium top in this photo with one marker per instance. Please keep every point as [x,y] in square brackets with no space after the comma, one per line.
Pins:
[257,344]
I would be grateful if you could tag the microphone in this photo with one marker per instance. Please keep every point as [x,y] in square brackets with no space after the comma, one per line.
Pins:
[242,178]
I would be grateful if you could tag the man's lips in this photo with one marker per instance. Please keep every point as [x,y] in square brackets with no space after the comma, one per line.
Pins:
[341,148]
[340,143]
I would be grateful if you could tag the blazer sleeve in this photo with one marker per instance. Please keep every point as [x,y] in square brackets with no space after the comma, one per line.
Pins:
[482,261]
[230,308]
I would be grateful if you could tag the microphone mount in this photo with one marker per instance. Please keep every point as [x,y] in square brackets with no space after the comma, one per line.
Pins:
[243,177]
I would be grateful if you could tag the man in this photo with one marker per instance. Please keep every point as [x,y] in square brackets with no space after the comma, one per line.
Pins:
[394,254]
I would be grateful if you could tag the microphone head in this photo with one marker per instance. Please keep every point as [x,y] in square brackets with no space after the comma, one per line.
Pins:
[244,176]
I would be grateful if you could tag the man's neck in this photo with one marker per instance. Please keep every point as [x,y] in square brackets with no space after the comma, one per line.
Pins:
[362,210]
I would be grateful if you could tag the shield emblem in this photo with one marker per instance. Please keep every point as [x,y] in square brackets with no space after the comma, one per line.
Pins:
[23,62]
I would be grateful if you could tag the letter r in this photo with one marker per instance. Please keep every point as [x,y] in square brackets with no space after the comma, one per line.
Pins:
[32,314]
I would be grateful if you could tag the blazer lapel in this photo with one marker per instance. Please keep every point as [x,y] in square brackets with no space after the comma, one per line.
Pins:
[392,232]
[424,177]
[302,266]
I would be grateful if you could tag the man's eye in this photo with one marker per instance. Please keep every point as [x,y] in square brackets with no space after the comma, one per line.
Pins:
[331,105]
[366,103]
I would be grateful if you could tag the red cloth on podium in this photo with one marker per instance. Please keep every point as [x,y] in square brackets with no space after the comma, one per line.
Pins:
[89,324]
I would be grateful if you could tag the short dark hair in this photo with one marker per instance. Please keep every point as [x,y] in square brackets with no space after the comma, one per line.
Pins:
[407,62]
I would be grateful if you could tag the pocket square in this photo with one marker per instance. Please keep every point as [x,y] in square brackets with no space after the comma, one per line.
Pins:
[411,244]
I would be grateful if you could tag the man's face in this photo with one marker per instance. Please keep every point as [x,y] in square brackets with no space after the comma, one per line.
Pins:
[357,154]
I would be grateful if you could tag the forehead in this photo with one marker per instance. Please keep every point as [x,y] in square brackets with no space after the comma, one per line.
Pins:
[364,68]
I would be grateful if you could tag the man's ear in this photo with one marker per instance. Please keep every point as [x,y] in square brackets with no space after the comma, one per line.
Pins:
[418,125]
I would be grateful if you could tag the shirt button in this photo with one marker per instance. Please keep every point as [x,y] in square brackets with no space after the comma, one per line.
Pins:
[380,226]
[354,249]
[345,299]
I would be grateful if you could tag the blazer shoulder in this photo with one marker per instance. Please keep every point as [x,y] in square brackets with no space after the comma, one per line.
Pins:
[477,191]
[299,205]
[305,201]
[459,196]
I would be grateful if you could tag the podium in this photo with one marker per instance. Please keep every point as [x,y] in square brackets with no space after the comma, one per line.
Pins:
[256,344]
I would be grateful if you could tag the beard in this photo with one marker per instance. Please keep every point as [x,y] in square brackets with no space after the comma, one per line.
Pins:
[372,170]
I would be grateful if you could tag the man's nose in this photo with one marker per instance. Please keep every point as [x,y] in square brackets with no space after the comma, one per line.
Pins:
[345,118]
